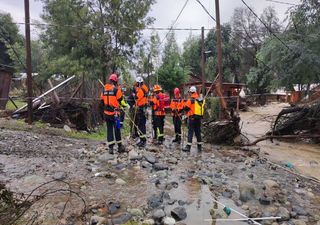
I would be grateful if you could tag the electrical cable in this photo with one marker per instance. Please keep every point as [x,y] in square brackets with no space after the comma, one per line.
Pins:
[184,6]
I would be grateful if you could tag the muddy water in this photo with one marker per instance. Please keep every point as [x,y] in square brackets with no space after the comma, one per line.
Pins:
[199,204]
[304,157]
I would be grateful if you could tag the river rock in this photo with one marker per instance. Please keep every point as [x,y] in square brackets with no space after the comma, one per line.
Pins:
[146,164]
[150,158]
[265,200]
[154,201]
[136,212]
[179,213]
[67,128]
[158,214]
[113,207]
[173,160]
[160,166]
[168,221]
[123,218]
[134,155]
[247,191]
[148,222]
[105,157]
[59,176]
[300,211]
[299,222]
[270,185]
[97,220]
[283,213]
[120,181]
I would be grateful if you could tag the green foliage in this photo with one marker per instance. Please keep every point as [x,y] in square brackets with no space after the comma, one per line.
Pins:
[192,54]
[9,35]
[296,63]
[93,37]
[214,106]
[171,73]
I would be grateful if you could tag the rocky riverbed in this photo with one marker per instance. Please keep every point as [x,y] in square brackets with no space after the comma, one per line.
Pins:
[81,183]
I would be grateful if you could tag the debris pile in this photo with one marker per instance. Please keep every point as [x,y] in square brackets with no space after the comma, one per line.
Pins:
[299,120]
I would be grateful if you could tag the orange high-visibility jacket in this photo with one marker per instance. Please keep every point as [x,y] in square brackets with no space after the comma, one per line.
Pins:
[111,97]
[141,94]
[190,104]
[176,106]
[156,105]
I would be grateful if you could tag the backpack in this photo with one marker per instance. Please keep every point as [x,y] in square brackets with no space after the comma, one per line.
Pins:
[199,107]
[161,99]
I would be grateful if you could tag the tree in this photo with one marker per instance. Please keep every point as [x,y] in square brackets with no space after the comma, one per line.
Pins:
[192,54]
[171,73]
[9,36]
[92,37]
[297,61]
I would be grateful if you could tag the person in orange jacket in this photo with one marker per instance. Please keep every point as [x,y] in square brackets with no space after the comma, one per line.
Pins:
[111,98]
[194,120]
[157,104]
[140,93]
[176,106]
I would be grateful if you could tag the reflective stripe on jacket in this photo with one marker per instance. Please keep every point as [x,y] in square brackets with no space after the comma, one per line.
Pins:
[111,96]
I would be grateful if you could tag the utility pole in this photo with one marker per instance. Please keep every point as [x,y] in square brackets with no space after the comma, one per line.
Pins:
[220,68]
[202,62]
[28,59]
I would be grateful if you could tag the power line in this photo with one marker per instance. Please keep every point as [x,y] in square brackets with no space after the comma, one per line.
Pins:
[268,28]
[205,9]
[284,3]
[184,6]
[2,34]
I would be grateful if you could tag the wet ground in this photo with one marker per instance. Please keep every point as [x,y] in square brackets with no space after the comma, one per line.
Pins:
[162,178]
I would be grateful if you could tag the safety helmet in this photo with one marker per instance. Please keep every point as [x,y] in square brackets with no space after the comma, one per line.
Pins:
[113,77]
[139,80]
[157,88]
[193,89]
[176,91]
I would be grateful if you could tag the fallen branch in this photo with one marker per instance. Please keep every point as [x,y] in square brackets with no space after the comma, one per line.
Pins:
[281,137]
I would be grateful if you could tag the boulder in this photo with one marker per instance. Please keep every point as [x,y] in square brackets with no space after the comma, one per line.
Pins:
[299,222]
[134,155]
[154,201]
[148,222]
[120,181]
[121,219]
[150,158]
[105,157]
[247,191]
[136,212]
[179,213]
[67,128]
[270,185]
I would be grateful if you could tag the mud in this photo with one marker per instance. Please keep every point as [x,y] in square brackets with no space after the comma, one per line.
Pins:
[193,180]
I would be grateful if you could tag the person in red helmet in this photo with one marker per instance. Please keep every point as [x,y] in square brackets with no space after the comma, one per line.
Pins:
[176,106]
[111,98]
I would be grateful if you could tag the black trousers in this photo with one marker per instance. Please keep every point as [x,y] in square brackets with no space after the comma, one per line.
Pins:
[194,125]
[177,125]
[159,125]
[122,116]
[113,133]
[141,120]
[154,126]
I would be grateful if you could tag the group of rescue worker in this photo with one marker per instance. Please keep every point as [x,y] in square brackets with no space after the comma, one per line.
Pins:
[138,102]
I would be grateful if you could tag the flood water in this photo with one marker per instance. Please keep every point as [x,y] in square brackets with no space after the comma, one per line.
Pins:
[200,203]
[304,157]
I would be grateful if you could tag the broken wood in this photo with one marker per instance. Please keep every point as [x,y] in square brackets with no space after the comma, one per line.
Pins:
[55,95]
[44,94]
[308,136]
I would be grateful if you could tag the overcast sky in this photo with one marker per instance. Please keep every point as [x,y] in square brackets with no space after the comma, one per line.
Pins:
[165,12]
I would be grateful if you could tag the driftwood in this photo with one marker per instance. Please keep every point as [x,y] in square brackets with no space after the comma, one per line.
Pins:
[309,136]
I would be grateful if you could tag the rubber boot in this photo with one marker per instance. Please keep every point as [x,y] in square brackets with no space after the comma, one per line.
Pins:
[160,141]
[110,149]
[121,148]
[142,143]
[187,148]
[199,147]
[178,139]
[175,140]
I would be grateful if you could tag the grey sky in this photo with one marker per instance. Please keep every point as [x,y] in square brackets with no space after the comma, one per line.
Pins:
[165,12]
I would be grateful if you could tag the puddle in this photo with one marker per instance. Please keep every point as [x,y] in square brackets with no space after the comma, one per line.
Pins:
[199,204]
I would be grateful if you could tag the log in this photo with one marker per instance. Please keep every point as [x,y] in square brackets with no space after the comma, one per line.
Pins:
[309,136]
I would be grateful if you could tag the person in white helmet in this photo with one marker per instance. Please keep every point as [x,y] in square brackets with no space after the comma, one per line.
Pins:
[195,109]
[140,93]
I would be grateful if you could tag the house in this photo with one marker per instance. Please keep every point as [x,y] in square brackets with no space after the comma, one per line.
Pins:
[5,81]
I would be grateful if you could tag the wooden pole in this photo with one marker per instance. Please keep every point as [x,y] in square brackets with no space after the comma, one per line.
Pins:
[202,62]
[55,95]
[28,59]
[220,68]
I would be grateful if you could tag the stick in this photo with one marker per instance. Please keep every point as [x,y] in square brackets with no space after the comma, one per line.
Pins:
[11,100]
[44,94]
[281,136]
[244,219]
